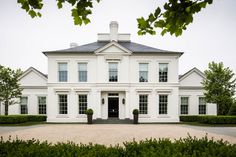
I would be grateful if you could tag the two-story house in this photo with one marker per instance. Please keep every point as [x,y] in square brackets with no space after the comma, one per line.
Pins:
[113,76]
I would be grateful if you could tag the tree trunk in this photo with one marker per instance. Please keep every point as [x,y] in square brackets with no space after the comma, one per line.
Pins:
[218,109]
[6,107]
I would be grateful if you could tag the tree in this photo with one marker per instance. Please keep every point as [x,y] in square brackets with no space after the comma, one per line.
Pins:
[219,86]
[9,86]
[175,18]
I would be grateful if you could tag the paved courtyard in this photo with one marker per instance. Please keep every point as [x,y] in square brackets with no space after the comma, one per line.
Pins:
[114,133]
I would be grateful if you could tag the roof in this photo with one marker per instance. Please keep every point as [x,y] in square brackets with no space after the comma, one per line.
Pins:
[181,77]
[33,69]
[133,47]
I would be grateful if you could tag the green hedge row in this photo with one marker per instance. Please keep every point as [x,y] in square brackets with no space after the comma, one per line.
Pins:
[16,119]
[187,147]
[209,119]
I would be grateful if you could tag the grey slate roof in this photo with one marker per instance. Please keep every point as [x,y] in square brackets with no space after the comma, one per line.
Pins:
[134,47]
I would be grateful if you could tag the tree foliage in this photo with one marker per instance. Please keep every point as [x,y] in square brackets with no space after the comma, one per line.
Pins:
[9,86]
[219,86]
[175,18]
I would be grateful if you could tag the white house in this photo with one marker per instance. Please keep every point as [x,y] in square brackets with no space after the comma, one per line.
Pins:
[112,76]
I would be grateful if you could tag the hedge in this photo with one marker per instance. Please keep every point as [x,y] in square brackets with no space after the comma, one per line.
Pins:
[16,119]
[209,119]
[187,147]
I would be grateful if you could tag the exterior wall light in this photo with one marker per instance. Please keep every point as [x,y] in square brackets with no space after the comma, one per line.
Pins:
[103,101]
[123,101]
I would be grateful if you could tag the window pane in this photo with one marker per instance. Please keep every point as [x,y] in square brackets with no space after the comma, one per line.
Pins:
[62,104]
[202,105]
[42,105]
[163,103]
[62,72]
[184,105]
[143,72]
[82,104]
[23,105]
[113,72]
[62,66]
[163,72]
[82,72]
[143,104]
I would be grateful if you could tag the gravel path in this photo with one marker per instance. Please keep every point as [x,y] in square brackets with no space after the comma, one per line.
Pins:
[109,134]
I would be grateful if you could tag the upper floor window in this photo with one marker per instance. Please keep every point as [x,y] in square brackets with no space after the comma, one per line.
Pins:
[163,72]
[143,104]
[143,72]
[62,72]
[82,72]
[163,103]
[113,72]
[42,105]
[83,103]
[184,105]
[24,105]
[63,103]
[202,105]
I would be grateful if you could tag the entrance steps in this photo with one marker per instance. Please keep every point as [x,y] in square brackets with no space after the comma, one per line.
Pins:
[113,121]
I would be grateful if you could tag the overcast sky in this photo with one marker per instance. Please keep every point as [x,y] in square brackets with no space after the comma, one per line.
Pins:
[211,37]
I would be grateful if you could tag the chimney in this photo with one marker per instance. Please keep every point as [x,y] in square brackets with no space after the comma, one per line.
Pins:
[73,45]
[114,31]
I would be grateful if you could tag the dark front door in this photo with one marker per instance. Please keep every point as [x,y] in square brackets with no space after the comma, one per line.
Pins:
[113,107]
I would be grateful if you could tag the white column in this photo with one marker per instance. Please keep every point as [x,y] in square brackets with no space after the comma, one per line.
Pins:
[127,104]
[98,104]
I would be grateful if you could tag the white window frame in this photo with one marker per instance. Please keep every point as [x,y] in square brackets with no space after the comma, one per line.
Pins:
[79,71]
[27,109]
[58,71]
[167,79]
[39,104]
[108,63]
[203,105]
[143,71]
[184,104]
[167,103]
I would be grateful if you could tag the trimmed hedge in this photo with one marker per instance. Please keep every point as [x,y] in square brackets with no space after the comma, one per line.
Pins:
[209,119]
[16,119]
[187,147]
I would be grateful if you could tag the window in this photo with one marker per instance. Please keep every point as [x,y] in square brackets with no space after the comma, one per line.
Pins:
[82,103]
[113,72]
[143,72]
[62,73]
[143,104]
[202,105]
[63,104]
[163,101]
[82,72]
[23,105]
[184,105]
[42,105]
[163,72]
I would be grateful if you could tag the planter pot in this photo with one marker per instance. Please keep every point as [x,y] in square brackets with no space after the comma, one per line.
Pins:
[135,118]
[90,119]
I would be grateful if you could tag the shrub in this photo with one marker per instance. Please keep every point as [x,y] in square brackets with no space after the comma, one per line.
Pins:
[89,111]
[186,147]
[232,110]
[135,111]
[16,119]
[209,119]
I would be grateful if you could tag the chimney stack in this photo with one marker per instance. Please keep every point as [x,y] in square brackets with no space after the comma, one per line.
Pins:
[114,31]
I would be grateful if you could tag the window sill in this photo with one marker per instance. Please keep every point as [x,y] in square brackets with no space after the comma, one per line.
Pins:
[163,116]
[81,116]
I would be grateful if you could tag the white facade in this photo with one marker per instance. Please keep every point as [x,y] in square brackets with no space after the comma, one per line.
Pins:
[112,99]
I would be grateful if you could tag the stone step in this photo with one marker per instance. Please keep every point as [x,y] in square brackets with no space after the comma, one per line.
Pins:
[113,121]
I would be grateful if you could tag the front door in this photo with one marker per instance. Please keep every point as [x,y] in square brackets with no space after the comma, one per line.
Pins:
[113,107]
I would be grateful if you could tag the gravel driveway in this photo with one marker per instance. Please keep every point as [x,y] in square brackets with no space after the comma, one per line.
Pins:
[111,134]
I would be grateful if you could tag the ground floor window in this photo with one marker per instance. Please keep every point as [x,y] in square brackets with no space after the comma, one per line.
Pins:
[42,105]
[143,104]
[23,105]
[163,103]
[63,103]
[83,103]
[202,105]
[184,105]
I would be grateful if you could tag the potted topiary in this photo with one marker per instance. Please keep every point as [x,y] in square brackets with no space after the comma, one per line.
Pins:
[135,113]
[89,113]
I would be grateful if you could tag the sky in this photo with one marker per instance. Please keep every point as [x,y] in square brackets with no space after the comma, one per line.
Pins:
[211,36]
